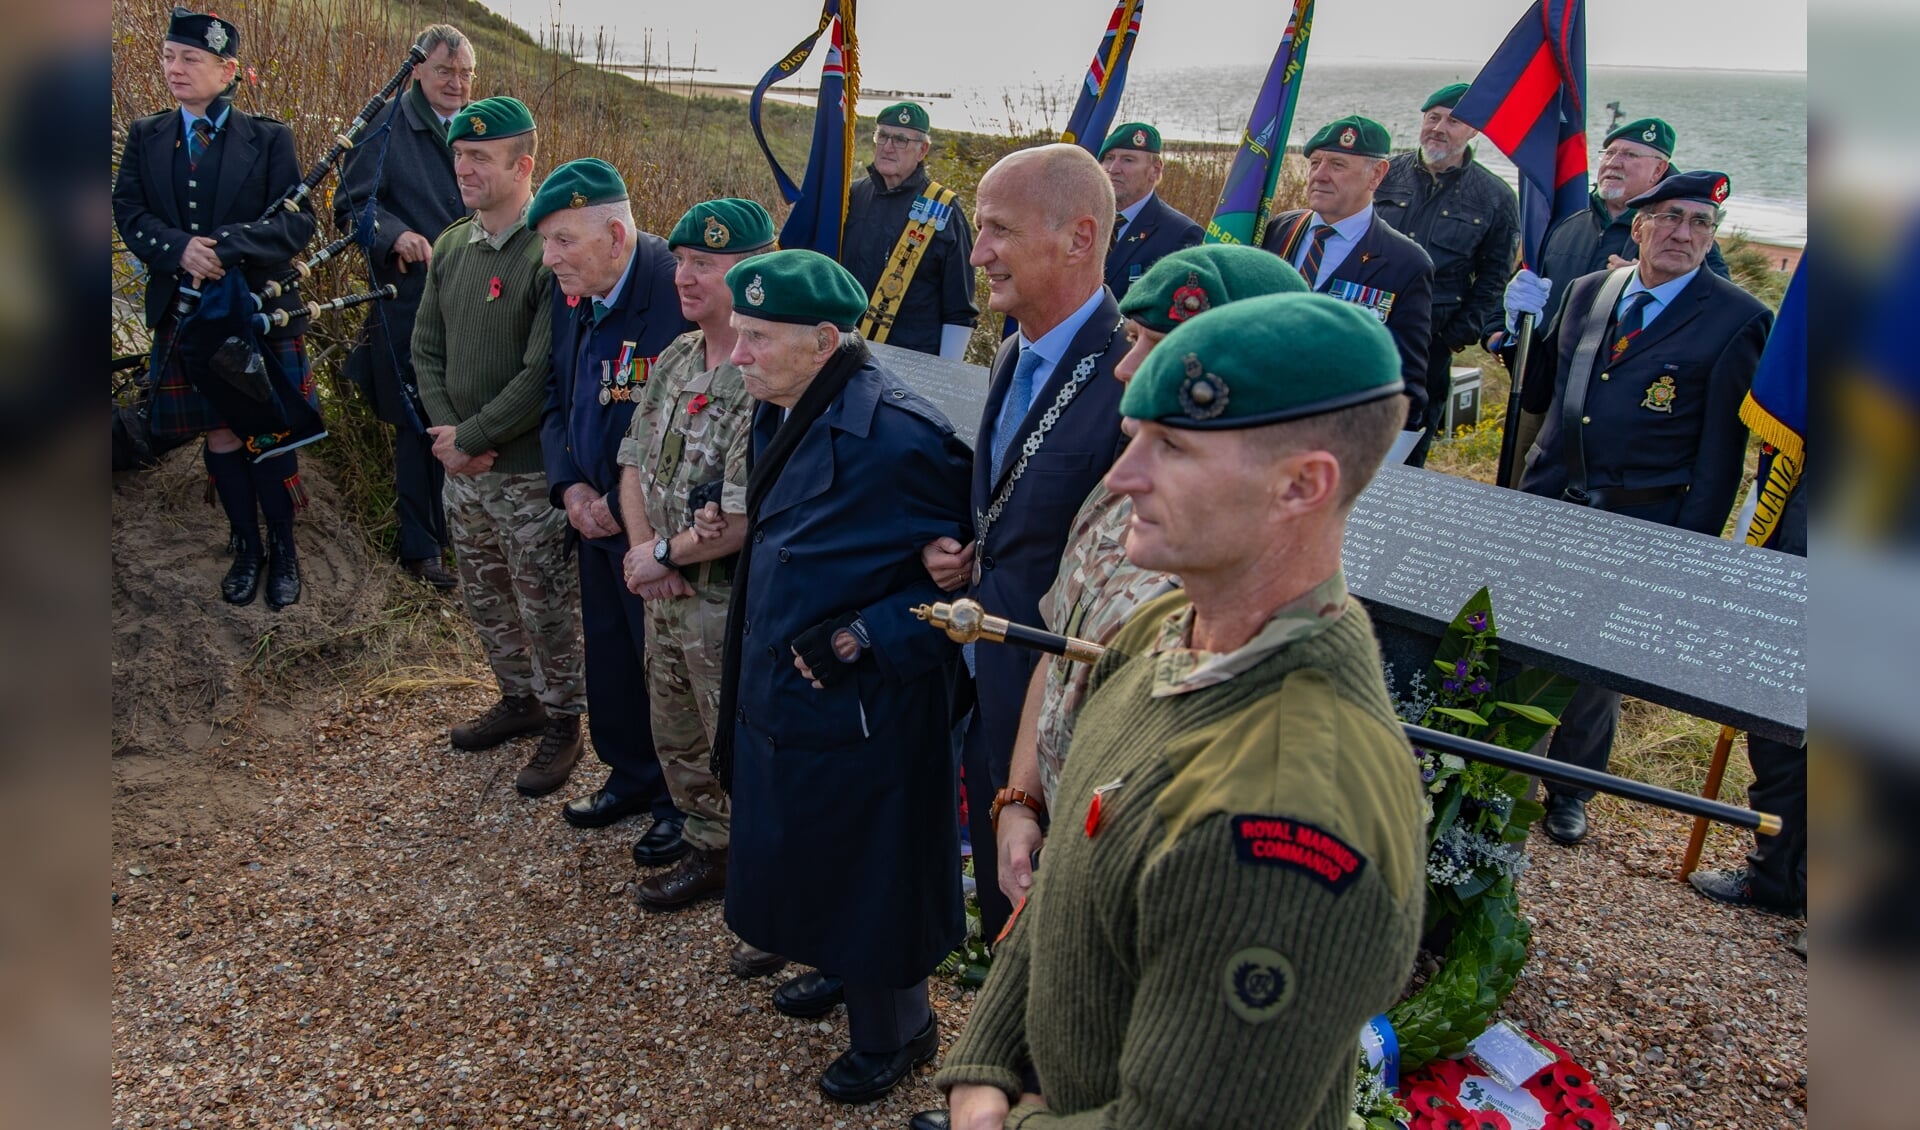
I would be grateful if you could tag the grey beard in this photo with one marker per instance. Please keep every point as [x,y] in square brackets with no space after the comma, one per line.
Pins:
[1436,156]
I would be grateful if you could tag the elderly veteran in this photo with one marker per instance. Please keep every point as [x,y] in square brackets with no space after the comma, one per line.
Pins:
[1145,228]
[1242,883]
[614,313]
[1341,252]
[1467,220]
[907,241]
[1651,362]
[846,834]
[480,348]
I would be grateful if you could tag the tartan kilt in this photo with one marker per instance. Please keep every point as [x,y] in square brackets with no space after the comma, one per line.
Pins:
[181,411]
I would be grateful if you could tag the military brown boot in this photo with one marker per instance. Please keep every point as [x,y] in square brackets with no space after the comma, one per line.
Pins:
[701,875]
[553,762]
[512,716]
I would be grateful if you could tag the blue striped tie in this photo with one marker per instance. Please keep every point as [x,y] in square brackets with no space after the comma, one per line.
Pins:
[1316,250]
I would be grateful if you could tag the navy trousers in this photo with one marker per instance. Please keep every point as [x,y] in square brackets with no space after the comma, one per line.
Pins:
[619,718]
[418,479]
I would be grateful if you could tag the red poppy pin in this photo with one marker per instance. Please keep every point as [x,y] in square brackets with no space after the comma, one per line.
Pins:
[573,300]
[698,404]
[493,288]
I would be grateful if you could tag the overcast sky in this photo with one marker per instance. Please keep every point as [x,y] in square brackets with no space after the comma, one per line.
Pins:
[972,42]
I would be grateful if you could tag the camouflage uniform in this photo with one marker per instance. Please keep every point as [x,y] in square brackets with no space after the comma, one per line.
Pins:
[523,595]
[1095,592]
[692,426]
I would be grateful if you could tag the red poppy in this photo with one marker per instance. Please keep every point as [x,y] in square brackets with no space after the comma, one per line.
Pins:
[493,288]
[697,404]
[1489,1120]
[573,300]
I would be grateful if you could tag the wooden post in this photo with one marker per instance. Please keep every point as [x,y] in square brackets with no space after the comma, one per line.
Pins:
[1716,769]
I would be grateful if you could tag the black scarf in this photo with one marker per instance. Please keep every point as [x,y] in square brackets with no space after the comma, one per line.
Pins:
[764,471]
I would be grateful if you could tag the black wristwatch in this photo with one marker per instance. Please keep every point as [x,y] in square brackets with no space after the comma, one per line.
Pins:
[663,552]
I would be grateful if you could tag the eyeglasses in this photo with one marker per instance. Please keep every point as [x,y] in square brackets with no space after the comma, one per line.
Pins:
[1698,223]
[883,140]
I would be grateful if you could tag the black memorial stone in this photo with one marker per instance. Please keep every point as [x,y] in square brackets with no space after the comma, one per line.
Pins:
[955,387]
[1706,626]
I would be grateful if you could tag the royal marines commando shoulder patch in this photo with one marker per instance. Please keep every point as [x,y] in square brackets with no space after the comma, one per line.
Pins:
[1277,841]
[1259,983]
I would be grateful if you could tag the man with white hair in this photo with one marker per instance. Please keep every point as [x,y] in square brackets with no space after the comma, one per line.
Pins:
[614,312]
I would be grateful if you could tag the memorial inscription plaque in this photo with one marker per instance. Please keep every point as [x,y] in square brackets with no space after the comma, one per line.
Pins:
[955,387]
[1704,625]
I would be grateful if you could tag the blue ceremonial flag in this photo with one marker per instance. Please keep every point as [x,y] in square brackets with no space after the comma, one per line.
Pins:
[1776,409]
[1530,101]
[1247,198]
[1106,78]
[820,203]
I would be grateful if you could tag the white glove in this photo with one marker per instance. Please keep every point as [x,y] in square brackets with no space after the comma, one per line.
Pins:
[1526,294]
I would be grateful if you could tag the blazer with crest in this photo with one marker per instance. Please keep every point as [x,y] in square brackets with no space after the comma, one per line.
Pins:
[1158,230]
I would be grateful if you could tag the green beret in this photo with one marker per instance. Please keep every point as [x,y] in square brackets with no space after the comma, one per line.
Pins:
[576,184]
[905,115]
[797,286]
[1647,131]
[490,119]
[1448,96]
[1193,280]
[1133,135]
[1265,360]
[1353,134]
[730,226]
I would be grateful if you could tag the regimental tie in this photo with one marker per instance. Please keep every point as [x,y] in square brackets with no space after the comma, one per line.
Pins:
[600,311]
[1316,251]
[1014,408]
[198,138]
[1632,321]
[1119,225]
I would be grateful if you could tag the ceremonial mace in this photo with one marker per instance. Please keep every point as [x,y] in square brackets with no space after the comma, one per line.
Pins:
[965,621]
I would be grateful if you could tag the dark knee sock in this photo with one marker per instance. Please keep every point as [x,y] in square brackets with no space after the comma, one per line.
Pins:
[233,481]
[277,483]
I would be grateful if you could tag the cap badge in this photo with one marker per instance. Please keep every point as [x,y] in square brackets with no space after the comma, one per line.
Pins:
[905,115]
[217,35]
[1348,137]
[1140,137]
[1203,395]
[577,200]
[1189,300]
[716,234]
[478,124]
[1720,190]
[1651,133]
[756,294]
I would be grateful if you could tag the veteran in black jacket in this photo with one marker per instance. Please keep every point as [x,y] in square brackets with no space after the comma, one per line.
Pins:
[397,190]
[1146,227]
[1652,361]
[1341,251]
[193,184]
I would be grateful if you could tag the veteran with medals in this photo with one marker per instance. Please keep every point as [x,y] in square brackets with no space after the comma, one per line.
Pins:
[1145,227]
[1237,878]
[1651,362]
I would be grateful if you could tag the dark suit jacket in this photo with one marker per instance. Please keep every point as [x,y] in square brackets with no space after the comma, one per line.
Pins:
[1708,340]
[1021,553]
[579,436]
[407,173]
[257,165]
[845,851]
[1156,231]
[1388,261]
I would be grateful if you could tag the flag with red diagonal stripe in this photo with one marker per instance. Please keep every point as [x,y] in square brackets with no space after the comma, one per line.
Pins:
[1530,101]
[1106,77]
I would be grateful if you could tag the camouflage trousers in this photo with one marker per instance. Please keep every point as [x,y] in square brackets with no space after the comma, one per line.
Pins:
[521,591]
[685,638]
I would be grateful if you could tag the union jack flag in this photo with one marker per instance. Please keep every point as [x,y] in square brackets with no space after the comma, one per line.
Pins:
[1105,80]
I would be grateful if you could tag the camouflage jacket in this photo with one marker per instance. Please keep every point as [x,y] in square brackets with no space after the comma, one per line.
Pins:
[693,426]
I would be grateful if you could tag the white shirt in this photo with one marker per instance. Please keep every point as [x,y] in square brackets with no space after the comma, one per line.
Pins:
[1052,346]
[1346,234]
[1663,294]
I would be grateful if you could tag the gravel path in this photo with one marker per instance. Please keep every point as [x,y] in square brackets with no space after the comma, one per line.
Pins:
[394,937]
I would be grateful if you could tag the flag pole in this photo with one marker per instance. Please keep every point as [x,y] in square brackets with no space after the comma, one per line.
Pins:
[1504,474]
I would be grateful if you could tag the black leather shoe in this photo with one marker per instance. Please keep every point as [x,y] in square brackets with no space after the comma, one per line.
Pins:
[928,1120]
[1566,819]
[862,1077]
[242,582]
[752,961]
[810,995]
[662,843]
[1735,888]
[600,808]
[283,570]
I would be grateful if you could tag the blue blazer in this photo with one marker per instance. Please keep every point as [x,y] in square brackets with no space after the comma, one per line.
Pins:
[845,850]
[1386,260]
[579,436]
[1708,340]
[1021,554]
[1156,231]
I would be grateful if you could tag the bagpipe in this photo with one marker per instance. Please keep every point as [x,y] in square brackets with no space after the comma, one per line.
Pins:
[218,330]
[966,621]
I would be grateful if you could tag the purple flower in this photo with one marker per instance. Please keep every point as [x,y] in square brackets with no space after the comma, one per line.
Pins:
[1428,774]
[1477,621]
[1479,686]
[1450,685]
[1460,667]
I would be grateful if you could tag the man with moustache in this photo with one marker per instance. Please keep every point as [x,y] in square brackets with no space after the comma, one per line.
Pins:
[1468,222]
[614,313]
[1651,363]
[1339,249]
[907,240]
[1146,227]
[1048,431]
[398,192]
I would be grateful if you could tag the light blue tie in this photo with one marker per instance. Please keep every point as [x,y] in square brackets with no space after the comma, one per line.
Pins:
[1014,408]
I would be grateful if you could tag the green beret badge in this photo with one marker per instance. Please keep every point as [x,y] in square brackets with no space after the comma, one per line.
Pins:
[577,200]
[477,124]
[1140,138]
[1347,137]
[905,115]
[1189,300]
[1203,395]
[716,234]
[1651,133]
[756,294]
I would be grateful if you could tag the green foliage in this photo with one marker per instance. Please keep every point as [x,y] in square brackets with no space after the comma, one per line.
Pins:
[1752,266]
[1477,970]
